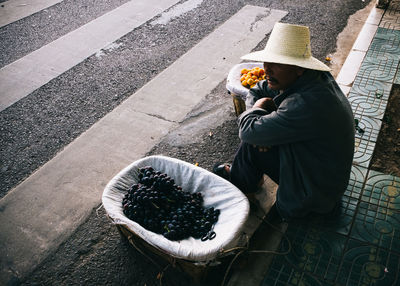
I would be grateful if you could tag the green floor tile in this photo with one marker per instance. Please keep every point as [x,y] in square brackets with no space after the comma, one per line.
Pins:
[314,258]
[379,67]
[368,97]
[382,52]
[391,39]
[377,225]
[365,264]
[367,106]
[382,190]
[380,48]
[324,259]
[358,175]
[368,127]
[363,151]
[372,88]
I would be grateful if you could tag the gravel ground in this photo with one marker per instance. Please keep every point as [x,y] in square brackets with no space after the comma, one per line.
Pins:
[22,37]
[36,128]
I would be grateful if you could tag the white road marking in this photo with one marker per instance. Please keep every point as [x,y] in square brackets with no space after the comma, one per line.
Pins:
[177,11]
[15,10]
[27,74]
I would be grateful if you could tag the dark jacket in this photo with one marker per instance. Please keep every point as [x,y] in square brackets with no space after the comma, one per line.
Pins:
[313,127]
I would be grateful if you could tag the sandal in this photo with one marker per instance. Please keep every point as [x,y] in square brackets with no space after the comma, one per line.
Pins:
[222,170]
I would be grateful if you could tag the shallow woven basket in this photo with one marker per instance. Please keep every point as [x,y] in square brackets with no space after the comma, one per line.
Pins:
[193,256]
[198,271]
[235,87]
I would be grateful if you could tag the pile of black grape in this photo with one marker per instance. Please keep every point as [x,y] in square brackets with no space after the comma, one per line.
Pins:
[161,206]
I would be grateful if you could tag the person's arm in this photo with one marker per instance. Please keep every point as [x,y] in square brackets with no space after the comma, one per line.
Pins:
[259,91]
[291,122]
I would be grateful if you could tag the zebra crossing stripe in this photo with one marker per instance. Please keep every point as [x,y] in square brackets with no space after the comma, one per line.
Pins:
[182,85]
[46,208]
[14,10]
[27,74]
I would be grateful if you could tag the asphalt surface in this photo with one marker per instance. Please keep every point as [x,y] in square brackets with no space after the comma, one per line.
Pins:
[36,128]
[28,34]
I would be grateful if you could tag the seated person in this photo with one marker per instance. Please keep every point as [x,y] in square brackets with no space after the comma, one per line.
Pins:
[298,129]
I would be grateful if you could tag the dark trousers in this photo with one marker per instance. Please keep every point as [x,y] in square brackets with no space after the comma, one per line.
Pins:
[250,164]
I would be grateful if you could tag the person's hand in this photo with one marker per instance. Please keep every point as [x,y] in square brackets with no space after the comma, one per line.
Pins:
[262,148]
[265,103]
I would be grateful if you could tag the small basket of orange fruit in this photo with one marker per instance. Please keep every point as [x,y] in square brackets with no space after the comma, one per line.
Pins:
[240,79]
[250,77]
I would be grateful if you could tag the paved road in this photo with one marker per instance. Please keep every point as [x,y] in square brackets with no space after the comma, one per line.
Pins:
[38,125]
[82,95]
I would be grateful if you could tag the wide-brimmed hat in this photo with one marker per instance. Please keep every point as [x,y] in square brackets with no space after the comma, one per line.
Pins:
[288,44]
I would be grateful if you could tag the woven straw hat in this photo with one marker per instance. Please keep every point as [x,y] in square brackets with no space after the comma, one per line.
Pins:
[288,44]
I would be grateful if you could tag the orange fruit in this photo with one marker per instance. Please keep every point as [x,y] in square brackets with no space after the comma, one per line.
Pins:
[249,77]
[250,81]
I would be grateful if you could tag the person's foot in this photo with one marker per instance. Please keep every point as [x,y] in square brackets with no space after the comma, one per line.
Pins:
[223,170]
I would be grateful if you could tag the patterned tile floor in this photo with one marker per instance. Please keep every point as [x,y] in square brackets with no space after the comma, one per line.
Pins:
[360,245]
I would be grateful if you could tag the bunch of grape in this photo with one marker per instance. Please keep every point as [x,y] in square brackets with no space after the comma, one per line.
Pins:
[161,206]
